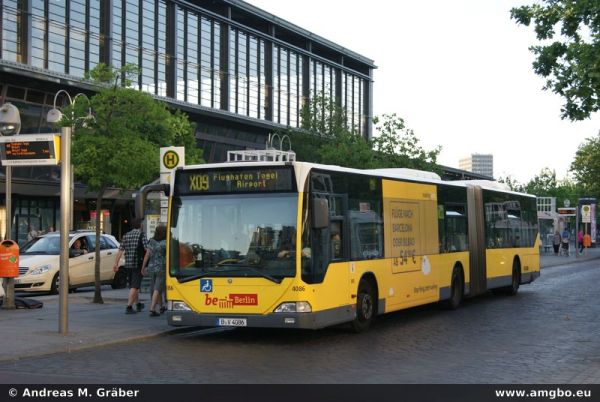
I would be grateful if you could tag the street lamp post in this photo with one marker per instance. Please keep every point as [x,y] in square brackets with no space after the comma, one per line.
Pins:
[10,124]
[54,116]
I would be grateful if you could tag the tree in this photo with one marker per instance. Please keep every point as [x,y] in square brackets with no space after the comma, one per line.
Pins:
[325,137]
[120,147]
[545,184]
[586,166]
[571,63]
[395,145]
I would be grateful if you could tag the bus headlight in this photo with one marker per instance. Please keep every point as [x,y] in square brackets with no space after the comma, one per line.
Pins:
[294,307]
[176,305]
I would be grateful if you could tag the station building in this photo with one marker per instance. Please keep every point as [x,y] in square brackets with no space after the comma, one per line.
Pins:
[239,72]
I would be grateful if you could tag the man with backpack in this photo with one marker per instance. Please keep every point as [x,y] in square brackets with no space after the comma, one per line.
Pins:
[134,246]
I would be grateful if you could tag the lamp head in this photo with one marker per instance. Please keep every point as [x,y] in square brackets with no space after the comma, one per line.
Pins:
[10,120]
[54,116]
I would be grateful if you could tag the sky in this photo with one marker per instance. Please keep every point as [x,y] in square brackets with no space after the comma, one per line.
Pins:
[458,72]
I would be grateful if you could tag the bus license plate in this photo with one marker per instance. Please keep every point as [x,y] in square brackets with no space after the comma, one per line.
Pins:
[232,322]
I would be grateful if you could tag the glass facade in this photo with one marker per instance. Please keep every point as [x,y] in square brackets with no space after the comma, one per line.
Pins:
[186,52]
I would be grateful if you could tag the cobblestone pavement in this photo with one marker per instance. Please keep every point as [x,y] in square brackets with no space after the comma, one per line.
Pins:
[548,333]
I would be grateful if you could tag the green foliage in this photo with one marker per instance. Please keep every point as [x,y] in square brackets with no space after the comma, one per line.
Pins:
[398,146]
[120,147]
[586,166]
[571,64]
[325,138]
[545,184]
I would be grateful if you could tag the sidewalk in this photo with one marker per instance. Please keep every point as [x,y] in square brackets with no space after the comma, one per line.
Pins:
[549,259]
[28,333]
[35,332]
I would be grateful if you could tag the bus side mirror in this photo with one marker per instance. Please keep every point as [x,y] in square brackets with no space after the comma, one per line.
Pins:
[320,213]
[142,195]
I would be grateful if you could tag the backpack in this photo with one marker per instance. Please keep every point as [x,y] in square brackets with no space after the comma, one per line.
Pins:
[21,302]
[140,251]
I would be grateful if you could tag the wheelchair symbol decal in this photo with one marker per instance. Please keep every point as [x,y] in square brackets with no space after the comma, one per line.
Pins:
[206,285]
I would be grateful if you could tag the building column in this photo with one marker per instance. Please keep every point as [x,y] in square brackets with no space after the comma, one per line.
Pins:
[224,63]
[24,31]
[171,47]
[106,32]
[269,88]
[368,107]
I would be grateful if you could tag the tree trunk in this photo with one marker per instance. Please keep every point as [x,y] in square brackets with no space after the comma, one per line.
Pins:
[97,290]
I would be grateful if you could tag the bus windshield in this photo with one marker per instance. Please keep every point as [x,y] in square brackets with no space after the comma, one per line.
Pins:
[233,235]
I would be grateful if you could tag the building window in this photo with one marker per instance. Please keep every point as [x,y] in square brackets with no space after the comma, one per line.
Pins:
[193,67]
[77,38]
[38,34]
[56,36]
[148,53]
[117,32]
[180,55]
[161,48]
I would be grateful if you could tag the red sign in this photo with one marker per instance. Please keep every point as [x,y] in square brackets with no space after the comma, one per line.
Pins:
[232,301]
[244,300]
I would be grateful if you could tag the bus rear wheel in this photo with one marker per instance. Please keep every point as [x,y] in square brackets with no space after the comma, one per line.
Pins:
[516,279]
[456,290]
[366,306]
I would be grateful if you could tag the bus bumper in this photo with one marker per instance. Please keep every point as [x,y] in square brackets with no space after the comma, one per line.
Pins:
[313,320]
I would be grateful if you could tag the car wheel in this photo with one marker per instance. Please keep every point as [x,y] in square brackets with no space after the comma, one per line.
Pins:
[55,284]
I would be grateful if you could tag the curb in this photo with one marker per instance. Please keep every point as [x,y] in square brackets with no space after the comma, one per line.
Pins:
[132,338]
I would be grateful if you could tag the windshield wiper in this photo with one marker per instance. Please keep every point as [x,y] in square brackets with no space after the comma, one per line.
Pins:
[240,267]
[209,272]
[231,268]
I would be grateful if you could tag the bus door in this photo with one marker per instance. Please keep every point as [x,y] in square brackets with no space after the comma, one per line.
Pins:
[330,244]
[477,246]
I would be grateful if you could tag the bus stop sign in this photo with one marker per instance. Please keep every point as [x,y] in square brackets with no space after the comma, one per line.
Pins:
[586,214]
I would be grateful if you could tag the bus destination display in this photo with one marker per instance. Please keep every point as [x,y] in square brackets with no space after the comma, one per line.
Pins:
[234,181]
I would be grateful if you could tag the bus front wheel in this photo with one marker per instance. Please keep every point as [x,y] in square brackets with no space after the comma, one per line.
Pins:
[366,306]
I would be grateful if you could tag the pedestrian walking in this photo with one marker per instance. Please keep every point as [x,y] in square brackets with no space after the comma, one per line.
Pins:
[134,246]
[580,241]
[565,239]
[556,242]
[155,262]
[587,241]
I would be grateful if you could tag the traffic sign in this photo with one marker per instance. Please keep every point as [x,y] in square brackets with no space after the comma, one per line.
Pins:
[170,158]
[586,214]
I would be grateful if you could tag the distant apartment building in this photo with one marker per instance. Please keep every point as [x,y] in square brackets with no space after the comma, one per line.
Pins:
[478,163]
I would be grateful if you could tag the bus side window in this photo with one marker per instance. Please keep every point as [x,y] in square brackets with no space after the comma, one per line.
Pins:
[336,241]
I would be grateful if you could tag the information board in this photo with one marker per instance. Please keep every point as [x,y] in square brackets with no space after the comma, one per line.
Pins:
[30,150]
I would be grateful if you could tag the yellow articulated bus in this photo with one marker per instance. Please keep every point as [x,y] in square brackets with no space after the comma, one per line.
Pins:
[301,245]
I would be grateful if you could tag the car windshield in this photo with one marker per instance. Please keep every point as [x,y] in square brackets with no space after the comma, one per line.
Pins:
[49,245]
[241,235]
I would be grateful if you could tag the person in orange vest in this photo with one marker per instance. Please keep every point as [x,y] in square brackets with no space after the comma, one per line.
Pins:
[587,240]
